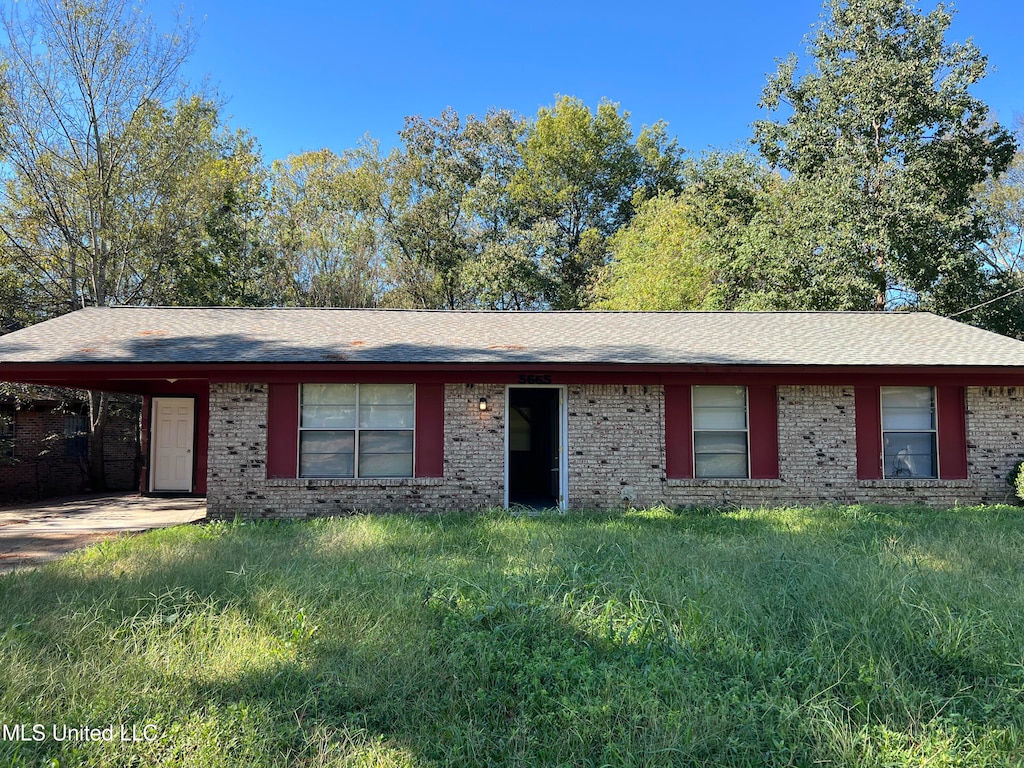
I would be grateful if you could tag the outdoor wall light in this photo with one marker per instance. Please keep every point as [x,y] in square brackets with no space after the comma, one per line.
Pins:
[483,403]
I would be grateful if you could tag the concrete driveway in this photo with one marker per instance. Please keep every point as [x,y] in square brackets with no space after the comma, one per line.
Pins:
[31,534]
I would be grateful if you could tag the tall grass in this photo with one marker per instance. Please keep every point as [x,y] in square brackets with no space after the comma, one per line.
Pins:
[805,637]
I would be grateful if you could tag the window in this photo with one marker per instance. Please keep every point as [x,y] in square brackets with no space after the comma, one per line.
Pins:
[720,432]
[908,432]
[76,435]
[356,430]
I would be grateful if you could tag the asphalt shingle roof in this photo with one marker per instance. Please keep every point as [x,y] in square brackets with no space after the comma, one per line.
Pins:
[228,335]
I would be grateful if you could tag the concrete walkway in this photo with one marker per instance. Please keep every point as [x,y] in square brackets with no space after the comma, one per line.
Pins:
[31,534]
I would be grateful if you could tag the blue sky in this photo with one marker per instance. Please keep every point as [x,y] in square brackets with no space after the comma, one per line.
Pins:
[306,75]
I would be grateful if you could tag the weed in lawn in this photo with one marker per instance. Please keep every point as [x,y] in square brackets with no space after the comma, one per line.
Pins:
[825,636]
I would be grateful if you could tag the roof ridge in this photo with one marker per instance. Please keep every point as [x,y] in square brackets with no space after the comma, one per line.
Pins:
[522,312]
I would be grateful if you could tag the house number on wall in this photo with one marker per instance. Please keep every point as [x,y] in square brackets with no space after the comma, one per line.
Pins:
[534,378]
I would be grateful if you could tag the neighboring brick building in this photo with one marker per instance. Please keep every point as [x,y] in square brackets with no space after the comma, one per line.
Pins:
[295,413]
[44,446]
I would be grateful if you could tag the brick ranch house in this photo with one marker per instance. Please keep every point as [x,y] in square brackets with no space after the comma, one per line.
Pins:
[302,412]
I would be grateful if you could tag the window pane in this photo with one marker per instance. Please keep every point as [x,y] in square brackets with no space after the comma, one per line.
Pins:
[385,454]
[720,454]
[720,465]
[387,394]
[327,465]
[385,442]
[385,465]
[719,418]
[76,430]
[327,454]
[719,408]
[910,454]
[907,408]
[328,394]
[730,397]
[329,416]
[328,442]
[386,416]
[720,442]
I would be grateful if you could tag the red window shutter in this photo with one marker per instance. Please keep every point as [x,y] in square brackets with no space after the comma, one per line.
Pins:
[282,430]
[868,405]
[430,430]
[951,423]
[764,433]
[678,432]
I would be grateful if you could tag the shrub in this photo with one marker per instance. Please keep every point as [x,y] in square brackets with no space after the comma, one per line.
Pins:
[1015,479]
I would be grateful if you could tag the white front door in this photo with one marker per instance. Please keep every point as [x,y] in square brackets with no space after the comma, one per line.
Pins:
[172,443]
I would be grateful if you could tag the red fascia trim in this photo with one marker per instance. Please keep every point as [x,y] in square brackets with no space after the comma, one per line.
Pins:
[764,432]
[429,430]
[282,430]
[951,424]
[678,432]
[149,378]
[868,406]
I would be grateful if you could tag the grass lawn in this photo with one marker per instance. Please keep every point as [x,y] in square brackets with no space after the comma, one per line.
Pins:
[806,637]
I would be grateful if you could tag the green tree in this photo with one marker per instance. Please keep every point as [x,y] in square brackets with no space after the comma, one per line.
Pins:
[95,132]
[658,261]
[446,231]
[222,257]
[449,181]
[663,163]
[580,170]
[326,246]
[1001,294]
[90,89]
[773,260]
[887,146]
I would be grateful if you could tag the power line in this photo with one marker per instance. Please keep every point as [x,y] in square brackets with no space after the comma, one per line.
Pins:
[984,303]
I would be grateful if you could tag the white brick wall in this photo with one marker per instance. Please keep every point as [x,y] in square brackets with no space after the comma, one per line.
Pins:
[616,445]
[616,456]
[995,437]
[237,483]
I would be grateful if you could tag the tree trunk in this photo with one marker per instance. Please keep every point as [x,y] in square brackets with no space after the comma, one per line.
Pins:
[884,284]
[99,407]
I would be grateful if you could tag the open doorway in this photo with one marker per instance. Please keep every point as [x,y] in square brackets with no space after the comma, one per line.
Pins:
[534,459]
